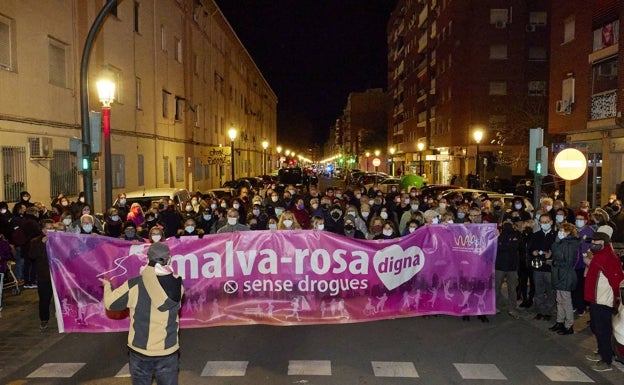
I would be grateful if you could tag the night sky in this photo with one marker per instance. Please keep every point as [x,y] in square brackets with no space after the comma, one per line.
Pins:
[313,53]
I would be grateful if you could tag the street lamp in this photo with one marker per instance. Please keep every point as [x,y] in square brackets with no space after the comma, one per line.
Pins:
[367,155]
[232,134]
[421,147]
[106,93]
[265,144]
[279,156]
[477,135]
[392,150]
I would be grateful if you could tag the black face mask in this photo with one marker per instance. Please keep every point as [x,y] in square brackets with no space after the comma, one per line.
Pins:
[507,227]
[596,246]
[335,215]
[348,227]
[253,226]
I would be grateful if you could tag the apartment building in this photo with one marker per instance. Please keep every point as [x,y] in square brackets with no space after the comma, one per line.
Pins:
[457,67]
[584,98]
[183,78]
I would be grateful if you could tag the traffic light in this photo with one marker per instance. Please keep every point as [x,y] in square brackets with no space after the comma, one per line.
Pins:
[86,163]
[541,161]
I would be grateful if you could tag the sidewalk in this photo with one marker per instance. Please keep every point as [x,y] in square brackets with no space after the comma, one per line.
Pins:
[20,338]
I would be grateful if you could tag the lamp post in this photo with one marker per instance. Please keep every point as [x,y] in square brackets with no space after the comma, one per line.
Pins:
[232,134]
[265,144]
[367,155]
[392,150]
[477,135]
[106,93]
[421,147]
[279,157]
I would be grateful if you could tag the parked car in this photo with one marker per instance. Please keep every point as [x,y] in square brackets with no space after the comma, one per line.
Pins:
[466,195]
[290,175]
[371,178]
[385,186]
[148,197]
[435,189]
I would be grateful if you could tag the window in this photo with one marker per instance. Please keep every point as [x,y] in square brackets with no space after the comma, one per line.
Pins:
[165,103]
[498,88]
[568,29]
[538,18]
[136,17]
[137,86]
[166,170]
[163,38]
[537,88]
[14,172]
[179,108]
[119,170]
[498,52]
[499,16]
[178,50]
[63,175]
[604,75]
[141,170]
[179,169]
[605,36]
[57,63]
[6,43]
[538,53]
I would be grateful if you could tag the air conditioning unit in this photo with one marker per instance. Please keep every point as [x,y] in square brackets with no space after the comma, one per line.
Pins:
[500,24]
[40,147]
[563,107]
[530,27]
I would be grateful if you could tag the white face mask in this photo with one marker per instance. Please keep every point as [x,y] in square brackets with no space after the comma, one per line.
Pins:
[411,229]
[435,220]
[365,214]
[580,223]
[320,226]
[442,205]
[115,217]
[213,206]
[315,206]
[67,221]
[87,227]
[272,226]
[3,211]
[236,206]
[560,234]
[274,199]
[232,221]
[156,238]
[224,205]
[288,223]
[279,212]
[383,215]
[189,229]
[387,232]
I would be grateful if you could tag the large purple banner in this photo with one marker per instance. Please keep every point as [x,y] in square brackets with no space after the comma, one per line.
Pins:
[286,277]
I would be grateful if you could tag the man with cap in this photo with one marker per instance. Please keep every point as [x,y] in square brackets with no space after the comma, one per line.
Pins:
[602,283]
[154,299]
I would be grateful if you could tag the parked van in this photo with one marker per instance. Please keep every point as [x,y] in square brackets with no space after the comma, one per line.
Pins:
[147,197]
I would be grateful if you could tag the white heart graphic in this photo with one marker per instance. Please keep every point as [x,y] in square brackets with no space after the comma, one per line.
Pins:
[395,266]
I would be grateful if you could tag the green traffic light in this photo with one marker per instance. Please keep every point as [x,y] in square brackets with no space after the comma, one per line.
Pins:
[85,163]
[538,168]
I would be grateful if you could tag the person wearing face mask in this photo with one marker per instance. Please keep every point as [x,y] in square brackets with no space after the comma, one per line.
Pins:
[375,228]
[121,206]
[233,224]
[113,224]
[350,231]
[156,234]
[316,209]
[259,216]
[604,275]
[239,206]
[272,223]
[5,220]
[24,200]
[506,267]
[388,231]
[76,207]
[136,214]
[317,223]
[334,221]
[564,255]
[288,222]
[584,232]
[414,208]
[540,253]
[411,226]
[170,219]
[190,229]
[520,208]
[40,256]
[87,226]
[130,233]
[431,217]
[301,214]
[188,211]
[618,219]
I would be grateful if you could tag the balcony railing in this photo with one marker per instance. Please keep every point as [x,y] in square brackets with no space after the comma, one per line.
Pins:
[603,105]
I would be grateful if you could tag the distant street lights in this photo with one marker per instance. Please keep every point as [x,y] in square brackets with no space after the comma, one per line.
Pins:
[265,144]
[421,147]
[367,155]
[232,134]
[477,135]
[392,151]
[106,93]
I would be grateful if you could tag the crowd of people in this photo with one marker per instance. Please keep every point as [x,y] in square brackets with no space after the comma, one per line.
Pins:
[555,259]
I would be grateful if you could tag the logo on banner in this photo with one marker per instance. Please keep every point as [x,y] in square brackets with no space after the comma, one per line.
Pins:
[395,266]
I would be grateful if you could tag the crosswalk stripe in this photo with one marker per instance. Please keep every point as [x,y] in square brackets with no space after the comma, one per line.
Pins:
[564,373]
[394,369]
[479,372]
[225,369]
[124,371]
[57,370]
[309,368]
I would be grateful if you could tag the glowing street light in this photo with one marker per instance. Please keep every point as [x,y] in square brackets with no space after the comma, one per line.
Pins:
[232,134]
[421,147]
[106,93]
[477,136]
[392,151]
[265,145]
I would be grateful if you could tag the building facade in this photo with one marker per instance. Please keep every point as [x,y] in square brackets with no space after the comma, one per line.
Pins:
[584,102]
[183,78]
[457,67]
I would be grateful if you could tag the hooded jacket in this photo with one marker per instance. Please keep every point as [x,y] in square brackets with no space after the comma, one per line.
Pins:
[602,283]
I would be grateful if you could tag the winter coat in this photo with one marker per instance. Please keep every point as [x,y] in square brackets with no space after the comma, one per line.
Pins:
[507,258]
[564,257]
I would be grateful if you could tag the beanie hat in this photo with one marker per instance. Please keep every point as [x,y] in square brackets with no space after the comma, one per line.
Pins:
[603,233]
[158,253]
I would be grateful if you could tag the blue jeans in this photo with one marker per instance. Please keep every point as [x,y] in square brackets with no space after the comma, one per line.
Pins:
[164,368]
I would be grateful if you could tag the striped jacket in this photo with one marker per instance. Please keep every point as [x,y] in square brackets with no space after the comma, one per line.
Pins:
[154,318]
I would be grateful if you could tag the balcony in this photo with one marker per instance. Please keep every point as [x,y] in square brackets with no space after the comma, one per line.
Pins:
[603,105]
